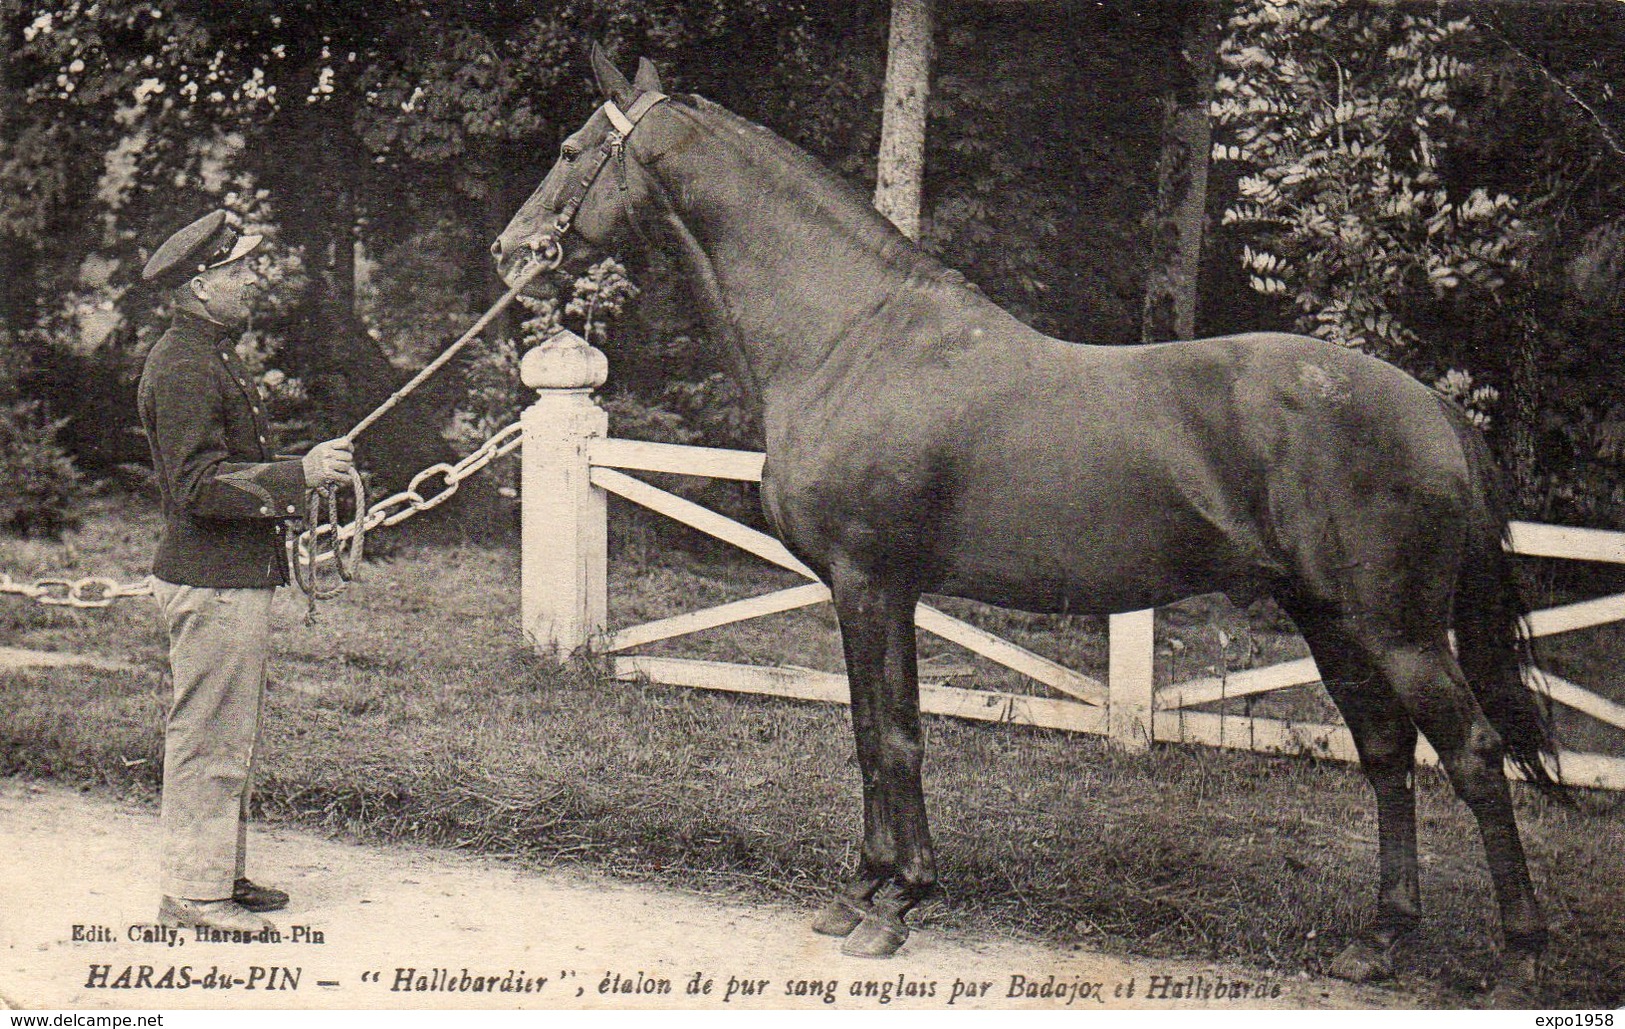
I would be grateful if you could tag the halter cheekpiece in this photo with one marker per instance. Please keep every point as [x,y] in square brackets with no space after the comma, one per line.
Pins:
[546,246]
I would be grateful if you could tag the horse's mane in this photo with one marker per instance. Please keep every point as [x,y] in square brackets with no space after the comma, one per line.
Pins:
[814,192]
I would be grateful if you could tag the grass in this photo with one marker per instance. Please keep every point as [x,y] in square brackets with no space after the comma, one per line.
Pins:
[413,710]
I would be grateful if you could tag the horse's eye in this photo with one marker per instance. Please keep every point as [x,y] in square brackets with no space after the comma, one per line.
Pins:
[570,151]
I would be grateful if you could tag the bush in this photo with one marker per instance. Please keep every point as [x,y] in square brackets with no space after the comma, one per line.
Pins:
[707,413]
[39,484]
[494,396]
[1340,118]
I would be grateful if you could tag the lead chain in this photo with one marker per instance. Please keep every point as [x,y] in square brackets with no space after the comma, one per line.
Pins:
[90,591]
[96,591]
[397,507]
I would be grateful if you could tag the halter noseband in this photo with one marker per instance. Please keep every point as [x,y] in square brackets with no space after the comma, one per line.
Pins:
[547,245]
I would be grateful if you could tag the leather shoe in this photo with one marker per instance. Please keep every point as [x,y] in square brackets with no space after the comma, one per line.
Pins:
[254,897]
[227,915]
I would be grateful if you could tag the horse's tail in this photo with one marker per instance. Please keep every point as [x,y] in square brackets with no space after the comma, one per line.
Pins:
[1493,642]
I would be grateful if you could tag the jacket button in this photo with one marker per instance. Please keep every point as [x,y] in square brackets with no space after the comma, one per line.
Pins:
[292,509]
[265,510]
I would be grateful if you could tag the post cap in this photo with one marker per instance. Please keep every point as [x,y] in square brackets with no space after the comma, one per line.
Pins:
[565,361]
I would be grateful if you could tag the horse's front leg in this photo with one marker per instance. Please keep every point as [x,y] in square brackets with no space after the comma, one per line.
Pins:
[897,868]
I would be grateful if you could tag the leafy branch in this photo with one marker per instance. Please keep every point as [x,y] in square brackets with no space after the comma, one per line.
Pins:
[1339,117]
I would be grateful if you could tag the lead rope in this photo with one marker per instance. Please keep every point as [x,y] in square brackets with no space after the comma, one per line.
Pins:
[305,555]
[346,559]
[303,560]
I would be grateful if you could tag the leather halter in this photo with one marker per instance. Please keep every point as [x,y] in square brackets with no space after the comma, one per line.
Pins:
[547,244]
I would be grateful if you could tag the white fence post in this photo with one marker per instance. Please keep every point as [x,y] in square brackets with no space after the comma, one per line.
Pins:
[1130,679]
[564,547]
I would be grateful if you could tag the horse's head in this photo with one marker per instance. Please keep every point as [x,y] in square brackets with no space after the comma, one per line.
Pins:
[589,192]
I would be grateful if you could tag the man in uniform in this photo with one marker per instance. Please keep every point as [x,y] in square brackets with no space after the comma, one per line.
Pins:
[219,561]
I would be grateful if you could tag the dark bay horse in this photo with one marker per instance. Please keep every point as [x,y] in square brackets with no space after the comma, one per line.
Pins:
[921,440]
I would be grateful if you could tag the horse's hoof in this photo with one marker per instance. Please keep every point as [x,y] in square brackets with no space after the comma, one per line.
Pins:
[840,916]
[879,935]
[1363,962]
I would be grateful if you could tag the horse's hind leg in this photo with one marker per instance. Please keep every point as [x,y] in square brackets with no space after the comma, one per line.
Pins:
[1386,741]
[898,867]
[1434,691]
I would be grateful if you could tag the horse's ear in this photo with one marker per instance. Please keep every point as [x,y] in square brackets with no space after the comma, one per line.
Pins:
[647,80]
[611,83]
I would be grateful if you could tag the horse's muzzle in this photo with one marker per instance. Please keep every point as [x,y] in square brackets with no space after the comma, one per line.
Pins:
[511,266]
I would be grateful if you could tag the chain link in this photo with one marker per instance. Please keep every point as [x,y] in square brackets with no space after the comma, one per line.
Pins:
[398,507]
[100,591]
[91,591]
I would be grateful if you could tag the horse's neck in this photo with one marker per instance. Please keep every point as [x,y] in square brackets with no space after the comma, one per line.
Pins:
[788,267]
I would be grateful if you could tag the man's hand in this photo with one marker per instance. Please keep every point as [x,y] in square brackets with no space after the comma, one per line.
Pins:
[329,462]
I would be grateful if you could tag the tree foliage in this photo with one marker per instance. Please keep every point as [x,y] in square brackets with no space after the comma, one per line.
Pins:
[1341,116]
[1433,184]
[39,481]
[1041,158]
[398,126]
[1440,186]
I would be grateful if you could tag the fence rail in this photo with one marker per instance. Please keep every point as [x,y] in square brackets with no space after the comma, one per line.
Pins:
[570,465]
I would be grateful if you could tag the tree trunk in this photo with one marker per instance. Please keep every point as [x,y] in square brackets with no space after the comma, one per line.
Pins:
[340,258]
[1177,221]
[320,170]
[496,209]
[349,375]
[901,167]
[16,274]
[16,284]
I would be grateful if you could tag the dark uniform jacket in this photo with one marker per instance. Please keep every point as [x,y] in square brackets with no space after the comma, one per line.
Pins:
[224,499]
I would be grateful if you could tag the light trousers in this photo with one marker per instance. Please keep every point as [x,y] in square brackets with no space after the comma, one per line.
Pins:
[219,644]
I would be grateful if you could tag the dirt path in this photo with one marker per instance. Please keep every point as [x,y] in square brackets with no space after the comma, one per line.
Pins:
[404,927]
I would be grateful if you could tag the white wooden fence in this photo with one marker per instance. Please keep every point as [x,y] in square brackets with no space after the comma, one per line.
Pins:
[570,466]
